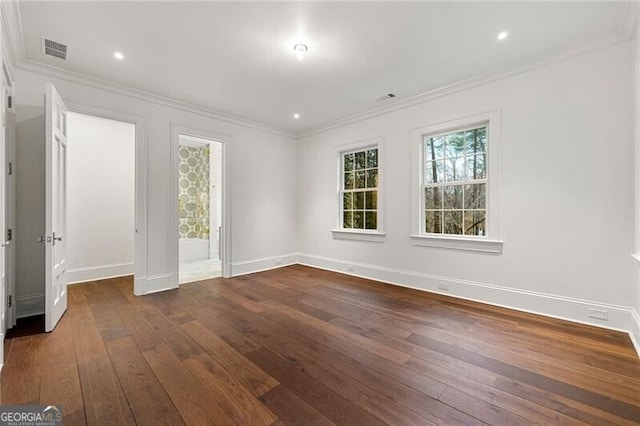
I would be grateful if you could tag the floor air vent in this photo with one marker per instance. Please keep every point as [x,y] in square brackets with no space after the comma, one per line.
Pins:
[55,49]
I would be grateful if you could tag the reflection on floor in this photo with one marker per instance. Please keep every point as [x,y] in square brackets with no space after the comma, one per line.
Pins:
[200,270]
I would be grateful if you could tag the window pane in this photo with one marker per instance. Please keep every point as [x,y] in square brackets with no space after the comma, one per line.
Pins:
[433,198]
[360,160]
[454,145]
[372,158]
[433,222]
[347,220]
[372,178]
[371,200]
[453,197]
[476,168]
[454,169]
[349,178]
[348,162]
[358,220]
[360,180]
[358,200]
[474,222]
[371,220]
[452,222]
[433,148]
[474,196]
[434,172]
[475,141]
[347,201]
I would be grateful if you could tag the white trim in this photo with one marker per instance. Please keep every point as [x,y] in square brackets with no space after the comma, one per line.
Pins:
[27,306]
[264,264]
[363,144]
[162,282]
[634,332]
[100,272]
[555,306]
[493,121]
[141,242]
[172,204]
[469,83]
[358,235]
[458,243]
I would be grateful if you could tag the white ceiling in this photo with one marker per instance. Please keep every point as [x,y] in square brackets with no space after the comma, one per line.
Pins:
[238,57]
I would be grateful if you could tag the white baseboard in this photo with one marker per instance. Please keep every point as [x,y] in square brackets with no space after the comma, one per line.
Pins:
[576,310]
[257,265]
[634,332]
[27,306]
[100,272]
[162,282]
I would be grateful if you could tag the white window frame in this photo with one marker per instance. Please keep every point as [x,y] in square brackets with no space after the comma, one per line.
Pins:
[488,243]
[373,235]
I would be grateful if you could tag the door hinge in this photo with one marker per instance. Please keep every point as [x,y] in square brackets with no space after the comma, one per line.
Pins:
[9,102]
[10,169]
[9,234]
[9,301]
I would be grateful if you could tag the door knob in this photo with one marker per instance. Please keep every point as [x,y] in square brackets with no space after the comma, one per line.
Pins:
[56,238]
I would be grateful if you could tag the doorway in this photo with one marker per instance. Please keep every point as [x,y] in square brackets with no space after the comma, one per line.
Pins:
[101,162]
[200,207]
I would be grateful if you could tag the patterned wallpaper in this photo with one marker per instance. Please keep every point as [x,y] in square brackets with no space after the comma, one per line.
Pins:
[193,202]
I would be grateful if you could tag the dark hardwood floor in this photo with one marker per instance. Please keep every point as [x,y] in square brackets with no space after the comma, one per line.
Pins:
[304,346]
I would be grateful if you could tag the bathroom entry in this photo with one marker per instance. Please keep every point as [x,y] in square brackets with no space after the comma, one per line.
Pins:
[199,208]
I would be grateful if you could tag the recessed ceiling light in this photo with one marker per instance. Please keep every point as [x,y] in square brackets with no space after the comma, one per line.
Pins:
[502,35]
[301,50]
[118,55]
[296,116]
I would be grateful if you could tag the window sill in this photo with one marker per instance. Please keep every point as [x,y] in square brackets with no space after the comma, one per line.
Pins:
[458,243]
[357,235]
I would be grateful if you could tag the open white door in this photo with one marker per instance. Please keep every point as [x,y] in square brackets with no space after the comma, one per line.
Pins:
[56,208]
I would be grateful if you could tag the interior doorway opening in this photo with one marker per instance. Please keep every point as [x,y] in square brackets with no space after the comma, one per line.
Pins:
[101,165]
[199,208]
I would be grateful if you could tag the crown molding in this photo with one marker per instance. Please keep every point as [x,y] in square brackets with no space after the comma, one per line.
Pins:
[508,71]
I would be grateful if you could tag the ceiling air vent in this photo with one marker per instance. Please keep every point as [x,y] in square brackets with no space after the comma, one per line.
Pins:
[385,97]
[54,48]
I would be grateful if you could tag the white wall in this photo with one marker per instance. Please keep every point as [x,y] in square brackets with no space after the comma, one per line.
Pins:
[100,198]
[566,192]
[264,197]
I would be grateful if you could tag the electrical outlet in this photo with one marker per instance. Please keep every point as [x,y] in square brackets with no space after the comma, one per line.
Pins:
[350,268]
[443,285]
[599,314]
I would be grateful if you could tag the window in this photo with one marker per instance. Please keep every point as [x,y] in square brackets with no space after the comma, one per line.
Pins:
[455,182]
[455,204]
[359,193]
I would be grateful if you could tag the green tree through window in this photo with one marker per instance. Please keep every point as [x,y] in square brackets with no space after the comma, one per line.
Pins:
[455,182]
[359,189]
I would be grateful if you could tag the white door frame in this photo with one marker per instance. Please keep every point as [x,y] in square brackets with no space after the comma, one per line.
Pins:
[141,236]
[174,236]
[10,203]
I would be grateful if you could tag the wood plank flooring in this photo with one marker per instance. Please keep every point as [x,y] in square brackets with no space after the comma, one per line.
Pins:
[303,346]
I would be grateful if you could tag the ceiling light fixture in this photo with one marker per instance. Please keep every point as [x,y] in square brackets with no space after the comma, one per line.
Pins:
[502,35]
[118,55]
[296,116]
[301,50]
